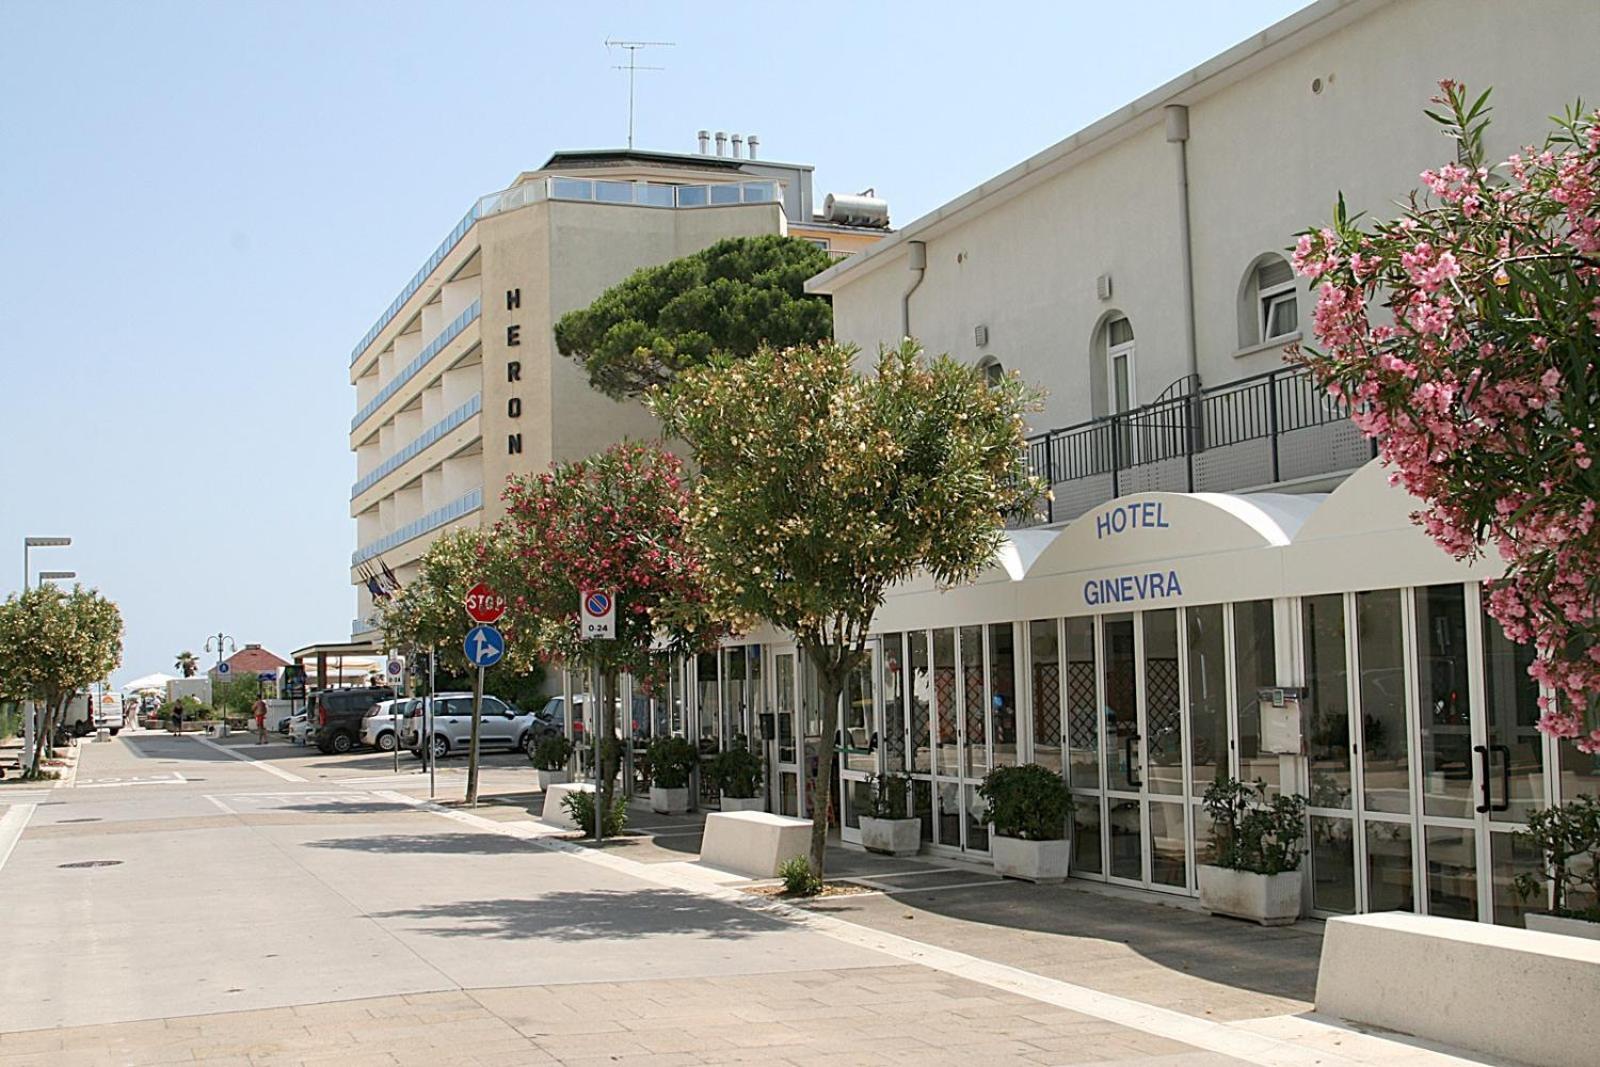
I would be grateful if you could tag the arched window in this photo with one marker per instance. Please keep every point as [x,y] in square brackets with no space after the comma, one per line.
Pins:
[1269,303]
[1121,387]
[992,370]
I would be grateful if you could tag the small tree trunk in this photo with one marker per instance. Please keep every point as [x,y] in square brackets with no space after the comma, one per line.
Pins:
[832,687]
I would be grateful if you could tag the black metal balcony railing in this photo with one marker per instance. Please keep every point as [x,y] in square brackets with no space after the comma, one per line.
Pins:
[1252,433]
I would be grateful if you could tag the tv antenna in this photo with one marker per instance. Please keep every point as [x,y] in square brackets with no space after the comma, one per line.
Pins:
[633,67]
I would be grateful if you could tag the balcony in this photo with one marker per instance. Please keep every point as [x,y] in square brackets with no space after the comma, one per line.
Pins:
[411,287]
[448,334]
[415,447]
[1250,434]
[463,505]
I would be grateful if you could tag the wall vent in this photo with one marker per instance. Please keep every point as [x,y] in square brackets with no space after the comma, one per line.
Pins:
[980,335]
[1102,287]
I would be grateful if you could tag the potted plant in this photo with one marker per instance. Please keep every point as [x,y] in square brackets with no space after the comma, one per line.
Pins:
[672,760]
[1562,834]
[550,757]
[737,773]
[1028,809]
[887,826]
[1256,849]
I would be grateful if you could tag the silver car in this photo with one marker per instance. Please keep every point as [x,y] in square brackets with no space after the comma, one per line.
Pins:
[378,727]
[502,726]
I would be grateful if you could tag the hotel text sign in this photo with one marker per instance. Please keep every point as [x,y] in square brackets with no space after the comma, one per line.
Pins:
[513,372]
[1118,520]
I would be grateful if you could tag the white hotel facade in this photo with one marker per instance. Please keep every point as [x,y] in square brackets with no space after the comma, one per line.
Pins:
[1219,530]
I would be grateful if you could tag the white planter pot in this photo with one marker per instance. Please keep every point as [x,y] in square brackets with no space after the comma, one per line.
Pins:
[669,801]
[550,778]
[1560,924]
[1032,861]
[743,803]
[1269,899]
[892,837]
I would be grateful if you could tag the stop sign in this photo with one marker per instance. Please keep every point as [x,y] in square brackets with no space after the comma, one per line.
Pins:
[484,604]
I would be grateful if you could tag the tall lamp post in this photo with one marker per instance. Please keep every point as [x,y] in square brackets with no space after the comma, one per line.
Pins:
[221,639]
[56,576]
[29,543]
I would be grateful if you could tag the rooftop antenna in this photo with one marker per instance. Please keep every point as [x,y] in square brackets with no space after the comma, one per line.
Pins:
[633,48]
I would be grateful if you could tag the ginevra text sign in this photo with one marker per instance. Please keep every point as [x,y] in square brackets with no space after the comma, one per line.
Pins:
[1132,588]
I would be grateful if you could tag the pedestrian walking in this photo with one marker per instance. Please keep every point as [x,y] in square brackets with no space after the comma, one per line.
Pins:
[261,720]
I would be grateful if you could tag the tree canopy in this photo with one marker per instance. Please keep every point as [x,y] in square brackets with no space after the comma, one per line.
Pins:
[53,644]
[820,487]
[1479,377]
[723,302]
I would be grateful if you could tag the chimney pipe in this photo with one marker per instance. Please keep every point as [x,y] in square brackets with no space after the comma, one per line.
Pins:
[738,145]
[705,141]
[722,142]
[754,143]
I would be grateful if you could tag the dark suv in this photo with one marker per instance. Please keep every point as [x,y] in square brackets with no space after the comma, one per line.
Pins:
[336,714]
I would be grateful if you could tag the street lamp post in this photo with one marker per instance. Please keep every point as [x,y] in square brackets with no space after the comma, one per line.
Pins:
[221,639]
[56,576]
[29,726]
[39,542]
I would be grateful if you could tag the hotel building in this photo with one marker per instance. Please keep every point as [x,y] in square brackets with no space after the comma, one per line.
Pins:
[458,383]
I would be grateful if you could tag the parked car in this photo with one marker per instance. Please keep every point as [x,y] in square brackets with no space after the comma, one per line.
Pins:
[279,718]
[378,729]
[503,725]
[299,729]
[336,715]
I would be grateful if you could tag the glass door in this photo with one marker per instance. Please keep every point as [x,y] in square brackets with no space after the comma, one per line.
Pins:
[785,689]
[858,744]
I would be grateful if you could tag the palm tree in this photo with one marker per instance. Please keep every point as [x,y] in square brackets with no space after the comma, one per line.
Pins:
[187,663]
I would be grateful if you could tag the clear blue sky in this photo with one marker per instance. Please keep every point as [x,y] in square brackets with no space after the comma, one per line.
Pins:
[207,205]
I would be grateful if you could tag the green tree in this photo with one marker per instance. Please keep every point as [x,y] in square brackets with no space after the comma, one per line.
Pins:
[723,302]
[235,691]
[611,523]
[186,662]
[53,644]
[821,487]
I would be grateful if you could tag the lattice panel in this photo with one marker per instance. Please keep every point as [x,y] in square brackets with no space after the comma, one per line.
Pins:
[944,698]
[1083,719]
[1046,702]
[1161,695]
[974,679]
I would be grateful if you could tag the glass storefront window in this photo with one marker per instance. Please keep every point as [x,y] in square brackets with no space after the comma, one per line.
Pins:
[973,694]
[858,735]
[1121,709]
[1516,747]
[1003,693]
[1389,878]
[1086,836]
[977,831]
[945,723]
[1208,697]
[1169,864]
[736,702]
[1333,865]
[1443,702]
[1163,703]
[783,691]
[1452,867]
[1328,723]
[921,697]
[949,815]
[1254,667]
[706,701]
[892,683]
[1385,741]
[1045,691]
[922,807]
[1084,716]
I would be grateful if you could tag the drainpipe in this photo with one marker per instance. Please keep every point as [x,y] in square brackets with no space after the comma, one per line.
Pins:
[917,260]
[1178,137]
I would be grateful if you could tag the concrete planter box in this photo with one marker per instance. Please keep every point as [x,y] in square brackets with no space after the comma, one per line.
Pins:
[1031,861]
[550,778]
[555,812]
[669,801]
[892,837]
[1560,924]
[743,803]
[1269,899]
[754,843]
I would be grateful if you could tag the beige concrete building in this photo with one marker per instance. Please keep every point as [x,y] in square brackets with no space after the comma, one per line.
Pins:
[459,385]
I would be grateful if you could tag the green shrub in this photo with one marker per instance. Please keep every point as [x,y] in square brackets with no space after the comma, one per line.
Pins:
[798,881]
[1029,802]
[671,761]
[552,753]
[889,796]
[580,807]
[1562,834]
[737,773]
[1252,831]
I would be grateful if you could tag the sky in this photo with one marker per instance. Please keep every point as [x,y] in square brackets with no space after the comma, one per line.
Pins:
[204,206]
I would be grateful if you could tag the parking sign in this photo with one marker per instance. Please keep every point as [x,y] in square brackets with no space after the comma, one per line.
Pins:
[599,616]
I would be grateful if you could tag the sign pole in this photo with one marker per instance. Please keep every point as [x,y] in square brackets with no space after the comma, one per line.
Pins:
[472,751]
[427,720]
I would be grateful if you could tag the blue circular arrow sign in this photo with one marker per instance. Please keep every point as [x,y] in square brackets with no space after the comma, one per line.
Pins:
[484,646]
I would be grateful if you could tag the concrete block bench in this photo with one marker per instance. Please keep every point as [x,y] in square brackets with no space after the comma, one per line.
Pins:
[1519,994]
[755,843]
[554,812]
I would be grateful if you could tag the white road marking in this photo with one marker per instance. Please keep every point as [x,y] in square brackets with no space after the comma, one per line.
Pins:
[236,754]
[218,802]
[12,823]
[174,778]
[1315,1041]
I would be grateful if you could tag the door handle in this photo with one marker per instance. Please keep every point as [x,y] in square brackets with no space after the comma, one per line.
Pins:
[1483,763]
[1505,777]
[1127,762]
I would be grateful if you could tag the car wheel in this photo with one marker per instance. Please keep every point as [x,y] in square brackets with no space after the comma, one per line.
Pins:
[528,744]
[441,746]
[342,743]
[386,742]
